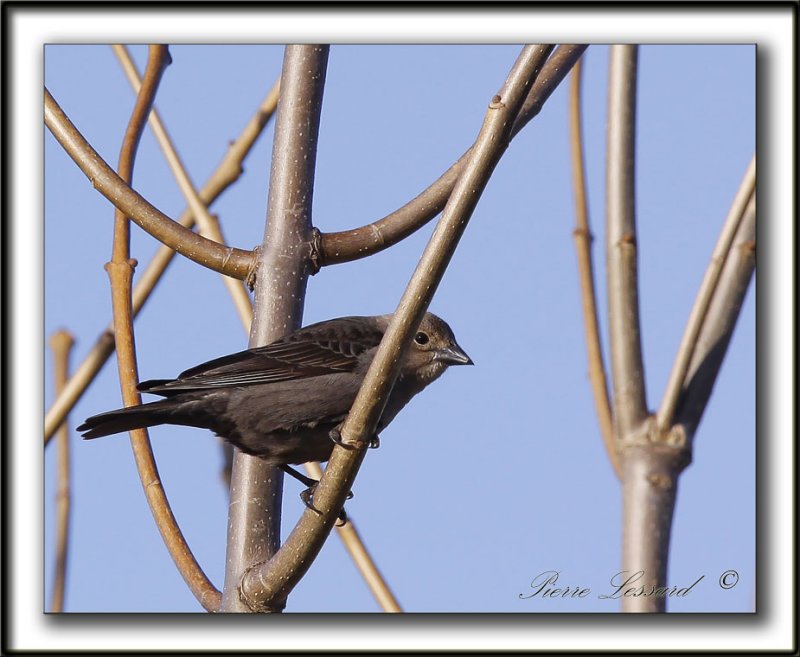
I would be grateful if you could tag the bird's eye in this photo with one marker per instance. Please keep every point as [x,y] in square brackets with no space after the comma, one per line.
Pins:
[421,338]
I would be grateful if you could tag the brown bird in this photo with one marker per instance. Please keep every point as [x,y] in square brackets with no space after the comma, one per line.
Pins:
[284,402]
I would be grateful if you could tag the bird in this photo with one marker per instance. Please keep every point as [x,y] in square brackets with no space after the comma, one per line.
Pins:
[285,402]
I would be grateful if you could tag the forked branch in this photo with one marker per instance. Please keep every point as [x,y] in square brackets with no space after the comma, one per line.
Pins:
[269,583]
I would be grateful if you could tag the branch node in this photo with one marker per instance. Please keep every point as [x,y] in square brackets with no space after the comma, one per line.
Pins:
[315,256]
[254,605]
[676,437]
[660,480]
[583,233]
[672,446]
[497,102]
[250,277]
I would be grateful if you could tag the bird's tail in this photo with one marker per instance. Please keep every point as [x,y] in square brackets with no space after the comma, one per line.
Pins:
[125,419]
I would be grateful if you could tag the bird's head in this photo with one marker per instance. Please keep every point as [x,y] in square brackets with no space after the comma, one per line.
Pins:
[433,349]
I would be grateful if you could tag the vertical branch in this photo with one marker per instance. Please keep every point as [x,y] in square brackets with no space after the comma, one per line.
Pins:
[120,272]
[283,269]
[61,343]
[583,247]
[651,462]
[650,472]
[630,406]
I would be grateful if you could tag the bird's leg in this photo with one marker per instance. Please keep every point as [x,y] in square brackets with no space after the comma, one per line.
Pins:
[308,494]
[306,481]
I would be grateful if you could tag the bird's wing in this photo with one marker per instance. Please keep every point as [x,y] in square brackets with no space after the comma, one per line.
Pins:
[324,348]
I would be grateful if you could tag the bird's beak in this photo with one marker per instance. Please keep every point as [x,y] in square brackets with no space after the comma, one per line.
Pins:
[453,355]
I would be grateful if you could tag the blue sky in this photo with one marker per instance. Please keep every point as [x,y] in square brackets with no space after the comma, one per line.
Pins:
[495,474]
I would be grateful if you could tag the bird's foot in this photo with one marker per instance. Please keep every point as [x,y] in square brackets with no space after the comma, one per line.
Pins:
[308,494]
[336,436]
[308,499]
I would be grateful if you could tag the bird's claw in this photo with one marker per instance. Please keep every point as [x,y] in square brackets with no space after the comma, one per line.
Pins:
[308,499]
[336,436]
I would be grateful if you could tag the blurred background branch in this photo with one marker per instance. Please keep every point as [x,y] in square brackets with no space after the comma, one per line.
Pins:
[583,247]
[61,344]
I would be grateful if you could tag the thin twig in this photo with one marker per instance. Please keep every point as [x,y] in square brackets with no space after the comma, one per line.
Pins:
[209,225]
[120,271]
[677,379]
[271,582]
[227,172]
[61,343]
[583,246]
[226,260]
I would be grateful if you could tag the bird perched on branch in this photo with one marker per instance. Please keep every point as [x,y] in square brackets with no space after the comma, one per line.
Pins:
[284,402]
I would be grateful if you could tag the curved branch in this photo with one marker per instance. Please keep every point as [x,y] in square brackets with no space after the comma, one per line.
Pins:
[272,581]
[583,247]
[226,260]
[227,172]
[120,272]
[348,245]
[209,224]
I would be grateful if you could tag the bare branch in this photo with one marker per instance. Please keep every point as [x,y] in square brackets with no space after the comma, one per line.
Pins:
[650,472]
[272,581]
[361,557]
[719,323]
[583,246]
[61,343]
[677,380]
[226,260]
[226,173]
[553,72]
[360,242]
[284,267]
[630,405]
[209,225]
[120,271]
